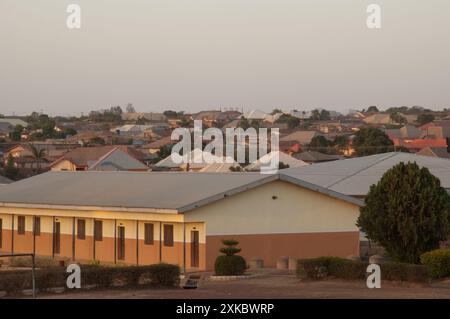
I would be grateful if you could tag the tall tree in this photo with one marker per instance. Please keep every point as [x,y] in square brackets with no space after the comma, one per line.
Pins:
[406,212]
[369,140]
[38,154]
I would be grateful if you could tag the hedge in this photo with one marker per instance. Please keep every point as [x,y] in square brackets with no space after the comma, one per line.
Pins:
[348,269]
[99,276]
[438,262]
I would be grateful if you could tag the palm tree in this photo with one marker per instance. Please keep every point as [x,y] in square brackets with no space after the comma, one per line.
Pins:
[37,153]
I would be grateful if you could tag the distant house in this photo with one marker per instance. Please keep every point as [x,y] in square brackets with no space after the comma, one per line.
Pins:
[316,157]
[13,121]
[282,158]
[385,118]
[154,147]
[408,131]
[91,137]
[5,129]
[133,130]
[151,117]
[101,158]
[301,137]
[194,161]
[442,152]
[255,115]
[24,159]
[436,129]
[415,145]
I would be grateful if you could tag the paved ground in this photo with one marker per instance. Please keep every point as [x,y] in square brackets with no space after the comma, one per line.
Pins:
[272,286]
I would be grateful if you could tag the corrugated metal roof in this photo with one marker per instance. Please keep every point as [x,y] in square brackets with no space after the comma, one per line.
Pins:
[355,176]
[133,191]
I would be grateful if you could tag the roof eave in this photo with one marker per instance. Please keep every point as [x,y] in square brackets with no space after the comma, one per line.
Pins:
[92,208]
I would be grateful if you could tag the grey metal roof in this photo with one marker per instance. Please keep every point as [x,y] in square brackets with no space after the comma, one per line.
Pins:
[135,191]
[5,180]
[355,176]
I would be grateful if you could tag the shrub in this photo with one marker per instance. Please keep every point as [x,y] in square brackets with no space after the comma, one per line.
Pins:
[164,274]
[100,276]
[40,262]
[230,264]
[396,271]
[355,270]
[438,262]
[227,265]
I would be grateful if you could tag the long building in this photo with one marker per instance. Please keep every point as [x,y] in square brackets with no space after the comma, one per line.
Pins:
[179,218]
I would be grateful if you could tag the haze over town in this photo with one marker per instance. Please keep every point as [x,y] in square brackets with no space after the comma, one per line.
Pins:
[193,56]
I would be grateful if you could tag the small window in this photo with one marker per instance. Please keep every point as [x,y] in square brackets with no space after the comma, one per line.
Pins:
[21,225]
[98,230]
[37,226]
[81,229]
[148,234]
[1,232]
[168,235]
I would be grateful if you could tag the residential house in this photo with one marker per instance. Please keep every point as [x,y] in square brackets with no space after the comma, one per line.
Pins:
[177,218]
[316,157]
[406,132]
[385,118]
[442,152]
[436,129]
[415,145]
[284,158]
[101,158]
[13,121]
[193,161]
[24,158]
[301,137]
[149,116]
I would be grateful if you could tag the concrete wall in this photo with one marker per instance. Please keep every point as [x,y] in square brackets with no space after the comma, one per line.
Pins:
[280,219]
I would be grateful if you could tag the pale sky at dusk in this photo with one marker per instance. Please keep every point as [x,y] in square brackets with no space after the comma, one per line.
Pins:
[205,54]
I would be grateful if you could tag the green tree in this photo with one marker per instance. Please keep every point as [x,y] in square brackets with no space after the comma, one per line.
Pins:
[38,154]
[319,141]
[397,118]
[16,133]
[406,212]
[425,118]
[369,140]
[11,170]
[373,109]
[293,122]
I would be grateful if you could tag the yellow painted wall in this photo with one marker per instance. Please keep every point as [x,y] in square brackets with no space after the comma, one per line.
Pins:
[295,210]
[64,165]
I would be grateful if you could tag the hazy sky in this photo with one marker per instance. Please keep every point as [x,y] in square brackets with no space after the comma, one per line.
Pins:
[205,54]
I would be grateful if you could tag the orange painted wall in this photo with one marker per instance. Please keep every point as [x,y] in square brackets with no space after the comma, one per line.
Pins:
[270,247]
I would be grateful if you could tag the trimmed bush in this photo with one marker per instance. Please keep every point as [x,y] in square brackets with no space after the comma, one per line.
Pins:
[164,274]
[438,262]
[230,264]
[100,276]
[322,267]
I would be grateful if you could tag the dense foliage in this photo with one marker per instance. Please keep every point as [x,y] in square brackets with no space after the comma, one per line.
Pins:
[406,212]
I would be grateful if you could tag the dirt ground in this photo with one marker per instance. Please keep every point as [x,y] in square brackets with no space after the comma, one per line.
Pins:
[273,286]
